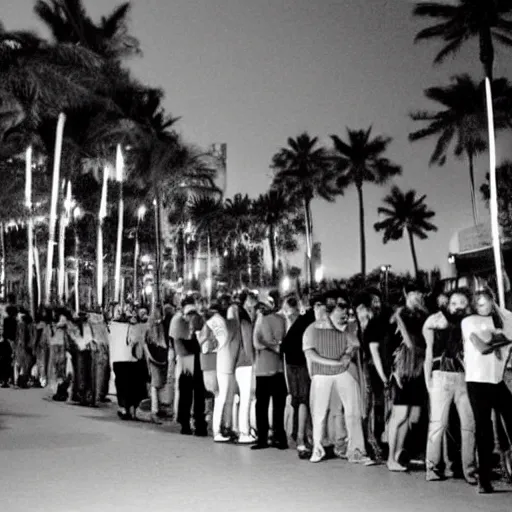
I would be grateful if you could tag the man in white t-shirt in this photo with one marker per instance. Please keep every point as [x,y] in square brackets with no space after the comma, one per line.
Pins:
[487,337]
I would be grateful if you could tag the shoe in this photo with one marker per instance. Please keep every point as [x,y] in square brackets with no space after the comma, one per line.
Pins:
[318,455]
[246,439]
[280,445]
[471,480]
[303,452]
[393,465]
[186,431]
[201,433]
[5,385]
[358,457]
[340,451]
[124,415]
[485,488]
[219,438]
[259,446]
[155,419]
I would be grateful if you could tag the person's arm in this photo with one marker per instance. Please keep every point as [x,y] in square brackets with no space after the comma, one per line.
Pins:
[262,338]
[480,345]
[377,361]
[428,335]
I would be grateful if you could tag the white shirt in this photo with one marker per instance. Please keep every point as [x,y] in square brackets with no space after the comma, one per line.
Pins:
[479,367]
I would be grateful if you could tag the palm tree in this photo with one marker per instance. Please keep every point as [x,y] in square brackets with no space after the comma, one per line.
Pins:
[303,172]
[405,213]
[489,20]
[274,211]
[463,121]
[361,160]
[68,22]
[205,213]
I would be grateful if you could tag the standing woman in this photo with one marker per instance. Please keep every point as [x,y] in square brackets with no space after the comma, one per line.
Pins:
[157,354]
[57,380]
[487,337]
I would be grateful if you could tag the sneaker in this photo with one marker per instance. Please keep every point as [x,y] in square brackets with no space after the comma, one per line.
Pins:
[359,457]
[433,476]
[246,439]
[340,451]
[317,455]
[485,488]
[219,438]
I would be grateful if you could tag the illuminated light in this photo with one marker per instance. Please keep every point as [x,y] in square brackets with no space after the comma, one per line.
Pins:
[148,290]
[77,212]
[141,212]
[319,274]
[286,284]
[385,268]
[146,258]
[226,252]
[451,259]
[208,283]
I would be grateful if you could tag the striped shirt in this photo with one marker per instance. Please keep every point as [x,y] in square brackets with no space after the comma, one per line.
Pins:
[329,344]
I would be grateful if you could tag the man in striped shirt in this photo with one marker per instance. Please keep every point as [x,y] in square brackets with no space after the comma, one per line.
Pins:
[330,354]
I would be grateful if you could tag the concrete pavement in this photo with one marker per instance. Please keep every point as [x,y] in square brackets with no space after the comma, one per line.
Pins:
[61,458]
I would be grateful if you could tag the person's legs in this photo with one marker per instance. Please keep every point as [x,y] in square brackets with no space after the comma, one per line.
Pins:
[321,386]
[467,429]
[349,392]
[440,395]
[263,393]
[481,400]
[397,424]
[200,425]
[279,393]
[503,405]
[121,376]
[243,378]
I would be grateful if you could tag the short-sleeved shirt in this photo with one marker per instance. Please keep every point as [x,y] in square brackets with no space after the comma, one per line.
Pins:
[330,344]
[292,341]
[479,367]
[184,343]
[380,330]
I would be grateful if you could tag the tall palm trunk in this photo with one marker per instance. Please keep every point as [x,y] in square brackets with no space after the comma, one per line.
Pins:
[362,235]
[136,263]
[413,252]
[77,272]
[158,231]
[493,202]
[273,255]
[120,219]
[30,230]
[64,218]
[471,162]
[99,248]
[309,240]
[209,276]
[38,272]
[2,261]
[53,207]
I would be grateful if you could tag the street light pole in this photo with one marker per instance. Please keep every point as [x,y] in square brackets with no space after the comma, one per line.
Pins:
[140,216]
[386,269]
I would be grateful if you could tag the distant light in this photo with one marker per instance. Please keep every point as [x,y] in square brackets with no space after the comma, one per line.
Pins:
[148,290]
[141,212]
[451,259]
[208,283]
[385,268]
[286,284]
[146,258]
[319,274]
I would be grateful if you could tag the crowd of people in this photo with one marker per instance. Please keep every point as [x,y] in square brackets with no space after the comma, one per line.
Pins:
[340,376]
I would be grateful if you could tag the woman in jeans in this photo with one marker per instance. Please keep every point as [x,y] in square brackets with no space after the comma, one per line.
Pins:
[487,337]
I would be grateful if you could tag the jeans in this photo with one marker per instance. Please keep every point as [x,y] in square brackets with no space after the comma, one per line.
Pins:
[348,391]
[243,377]
[483,398]
[223,405]
[448,388]
[271,386]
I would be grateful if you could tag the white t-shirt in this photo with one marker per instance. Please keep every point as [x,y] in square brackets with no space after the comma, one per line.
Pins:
[479,367]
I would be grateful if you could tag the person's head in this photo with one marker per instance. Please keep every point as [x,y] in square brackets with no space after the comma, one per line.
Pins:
[142,313]
[250,302]
[484,303]
[168,309]
[201,304]
[320,308]
[458,307]
[442,301]
[339,314]
[224,301]
[291,307]
[376,299]
[414,298]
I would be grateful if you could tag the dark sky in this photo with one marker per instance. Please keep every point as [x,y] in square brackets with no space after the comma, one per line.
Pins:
[254,72]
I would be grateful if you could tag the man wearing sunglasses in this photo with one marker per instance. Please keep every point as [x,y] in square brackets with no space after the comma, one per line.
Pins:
[330,354]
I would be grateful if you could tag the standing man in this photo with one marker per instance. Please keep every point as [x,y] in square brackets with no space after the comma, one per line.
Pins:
[445,379]
[269,332]
[299,381]
[330,354]
[182,331]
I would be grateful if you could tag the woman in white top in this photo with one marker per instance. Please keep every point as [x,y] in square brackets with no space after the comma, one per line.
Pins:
[487,337]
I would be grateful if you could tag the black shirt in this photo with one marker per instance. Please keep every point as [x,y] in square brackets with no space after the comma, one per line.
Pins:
[380,330]
[292,342]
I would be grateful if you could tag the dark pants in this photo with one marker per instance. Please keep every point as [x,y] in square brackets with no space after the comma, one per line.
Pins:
[273,386]
[191,388]
[131,378]
[483,398]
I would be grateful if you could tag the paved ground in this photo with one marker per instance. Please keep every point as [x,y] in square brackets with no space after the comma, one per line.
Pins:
[62,458]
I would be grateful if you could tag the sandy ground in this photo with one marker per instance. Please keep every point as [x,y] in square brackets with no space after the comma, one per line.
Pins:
[62,458]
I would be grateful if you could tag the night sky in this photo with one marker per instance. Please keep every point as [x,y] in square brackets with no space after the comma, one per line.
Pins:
[253,72]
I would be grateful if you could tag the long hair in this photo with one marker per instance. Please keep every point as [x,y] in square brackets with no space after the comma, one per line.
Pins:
[496,314]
